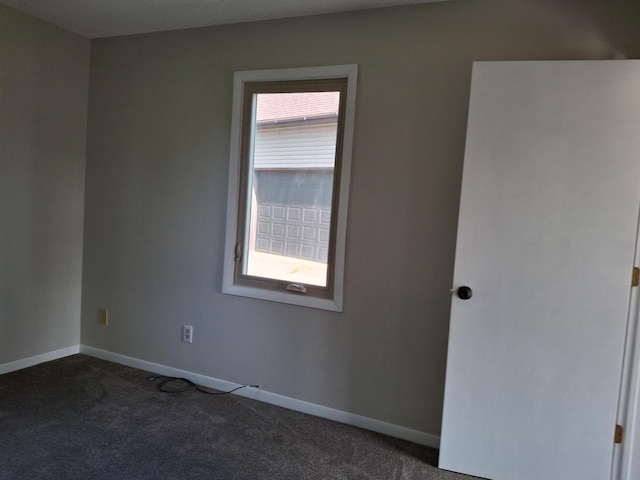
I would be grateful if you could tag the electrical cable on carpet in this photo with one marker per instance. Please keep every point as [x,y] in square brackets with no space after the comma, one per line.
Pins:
[191,386]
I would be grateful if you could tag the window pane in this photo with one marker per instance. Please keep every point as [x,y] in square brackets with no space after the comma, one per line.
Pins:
[292,170]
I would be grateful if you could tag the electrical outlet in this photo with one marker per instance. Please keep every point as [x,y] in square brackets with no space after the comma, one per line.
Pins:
[103,317]
[187,333]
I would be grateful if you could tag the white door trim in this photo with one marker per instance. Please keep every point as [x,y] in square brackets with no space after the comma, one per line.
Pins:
[626,456]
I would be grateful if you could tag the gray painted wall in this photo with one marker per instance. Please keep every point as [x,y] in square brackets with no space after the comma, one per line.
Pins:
[44,75]
[158,145]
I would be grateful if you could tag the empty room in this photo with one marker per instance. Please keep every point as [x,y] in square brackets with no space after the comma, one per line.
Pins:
[332,239]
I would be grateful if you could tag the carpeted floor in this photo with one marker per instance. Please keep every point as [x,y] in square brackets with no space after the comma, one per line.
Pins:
[84,418]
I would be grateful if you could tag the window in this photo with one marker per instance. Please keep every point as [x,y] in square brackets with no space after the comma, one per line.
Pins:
[289,171]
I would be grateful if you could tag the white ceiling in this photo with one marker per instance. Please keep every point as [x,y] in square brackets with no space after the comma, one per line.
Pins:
[107,18]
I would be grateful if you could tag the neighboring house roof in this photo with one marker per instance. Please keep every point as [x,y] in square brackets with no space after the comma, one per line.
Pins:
[288,107]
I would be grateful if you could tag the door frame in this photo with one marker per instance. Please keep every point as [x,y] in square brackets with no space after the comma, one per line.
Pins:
[622,467]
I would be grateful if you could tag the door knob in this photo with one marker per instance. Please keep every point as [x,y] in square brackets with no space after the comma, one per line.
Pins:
[464,293]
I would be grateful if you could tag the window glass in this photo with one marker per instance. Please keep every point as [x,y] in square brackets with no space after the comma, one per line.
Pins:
[292,169]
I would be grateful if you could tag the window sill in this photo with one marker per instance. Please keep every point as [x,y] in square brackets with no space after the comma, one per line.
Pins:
[284,297]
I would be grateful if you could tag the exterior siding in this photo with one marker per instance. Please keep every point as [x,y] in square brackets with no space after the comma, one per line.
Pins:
[312,146]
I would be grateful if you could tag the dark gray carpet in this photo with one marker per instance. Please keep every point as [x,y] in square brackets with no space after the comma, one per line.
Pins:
[83,418]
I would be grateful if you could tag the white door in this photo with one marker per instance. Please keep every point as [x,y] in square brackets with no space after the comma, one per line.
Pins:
[546,237]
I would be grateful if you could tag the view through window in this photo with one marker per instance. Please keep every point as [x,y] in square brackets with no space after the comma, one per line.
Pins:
[292,176]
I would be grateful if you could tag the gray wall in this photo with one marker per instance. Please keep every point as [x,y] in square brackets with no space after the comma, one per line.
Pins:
[160,107]
[44,77]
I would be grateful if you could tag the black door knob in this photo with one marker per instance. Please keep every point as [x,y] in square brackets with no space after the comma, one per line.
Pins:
[464,293]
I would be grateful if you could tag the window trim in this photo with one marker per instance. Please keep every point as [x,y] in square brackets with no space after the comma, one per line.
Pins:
[335,303]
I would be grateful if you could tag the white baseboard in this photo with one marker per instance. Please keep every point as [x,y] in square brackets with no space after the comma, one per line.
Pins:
[366,423]
[35,360]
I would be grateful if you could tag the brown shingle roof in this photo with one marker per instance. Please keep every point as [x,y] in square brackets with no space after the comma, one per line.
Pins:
[280,107]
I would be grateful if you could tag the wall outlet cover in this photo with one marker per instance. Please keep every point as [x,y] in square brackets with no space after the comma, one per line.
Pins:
[187,333]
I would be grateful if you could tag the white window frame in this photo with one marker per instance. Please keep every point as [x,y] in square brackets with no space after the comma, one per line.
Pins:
[350,72]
